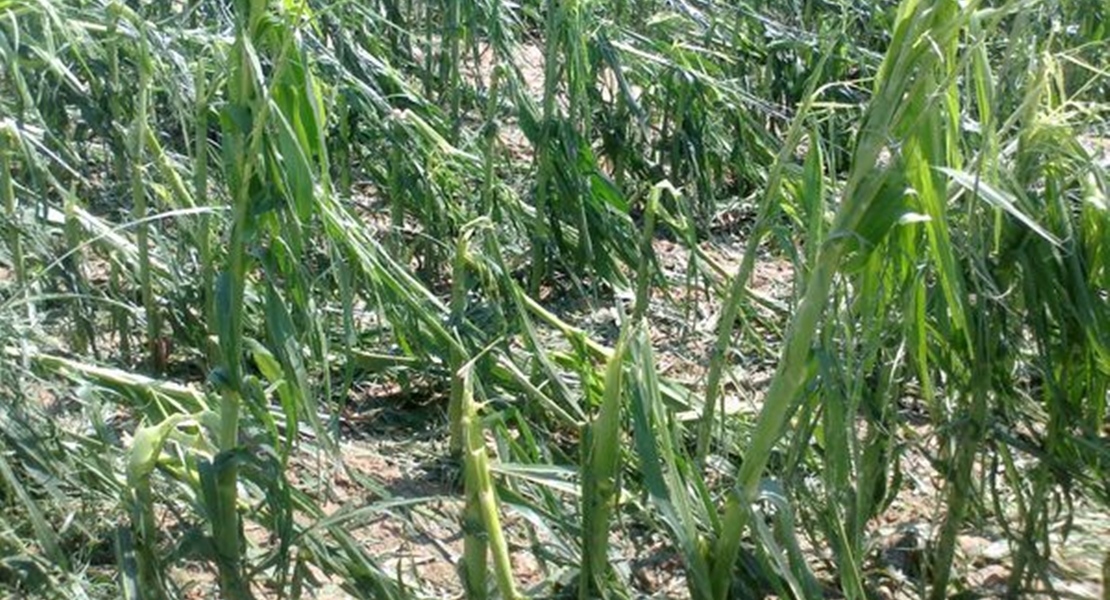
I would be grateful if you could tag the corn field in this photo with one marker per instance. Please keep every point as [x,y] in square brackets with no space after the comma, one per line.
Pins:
[588,299]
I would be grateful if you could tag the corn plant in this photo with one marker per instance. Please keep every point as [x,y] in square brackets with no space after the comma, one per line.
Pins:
[228,227]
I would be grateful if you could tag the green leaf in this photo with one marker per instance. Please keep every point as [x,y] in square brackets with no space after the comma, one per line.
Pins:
[999,198]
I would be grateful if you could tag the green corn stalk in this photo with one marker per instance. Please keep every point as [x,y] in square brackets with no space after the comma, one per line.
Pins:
[121,317]
[784,387]
[599,478]
[200,191]
[553,28]
[459,289]
[163,397]
[482,520]
[248,93]
[489,149]
[738,289]
[82,326]
[429,49]
[895,83]
[813,196]
[660,458]
[146,448]
[179,196]
[932,146]
[128,564]
[647,251]
[345,157]
[397,191]
[449,65]
[139,209]
[115,10]
[474,565]
[230,291]
[578,77]
[603,450]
